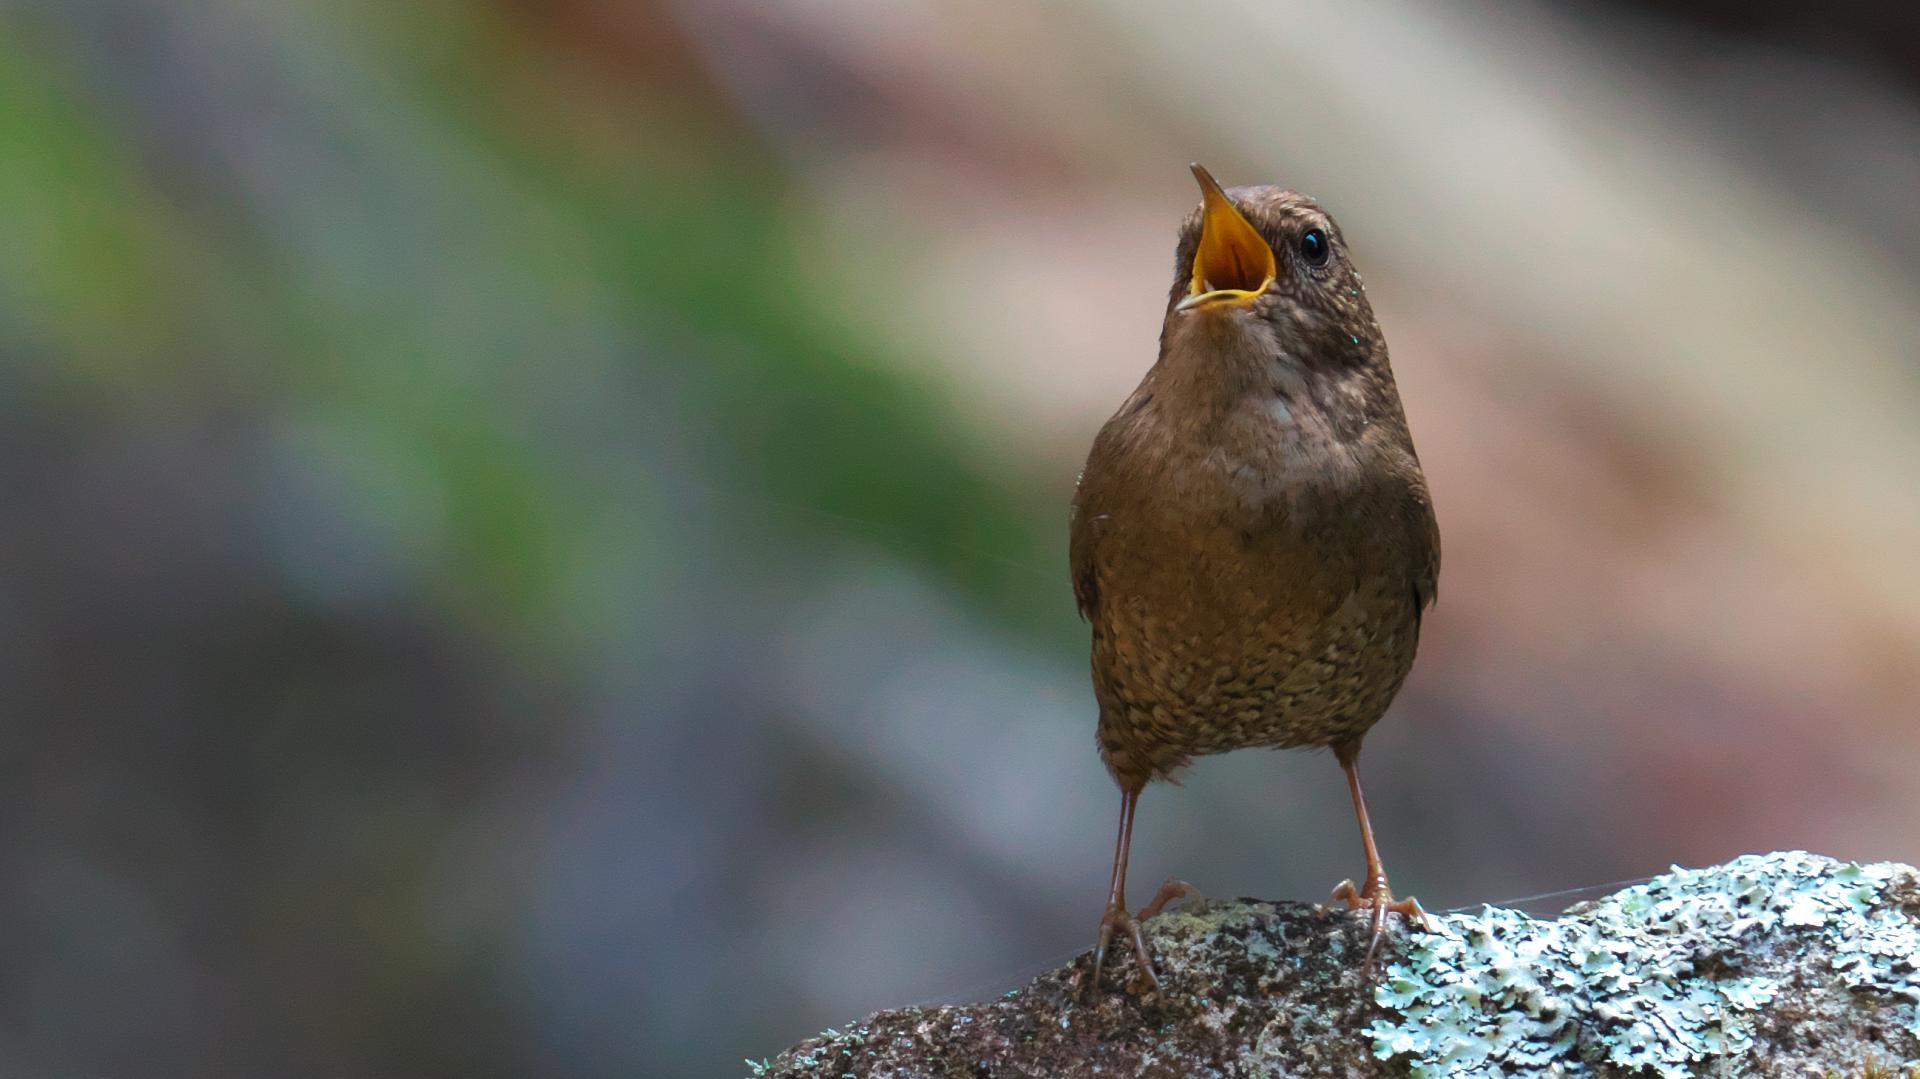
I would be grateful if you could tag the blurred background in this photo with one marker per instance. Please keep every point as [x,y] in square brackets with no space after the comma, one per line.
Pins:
[534,532]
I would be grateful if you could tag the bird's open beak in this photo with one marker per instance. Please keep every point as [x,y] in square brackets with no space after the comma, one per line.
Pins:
[1233,263]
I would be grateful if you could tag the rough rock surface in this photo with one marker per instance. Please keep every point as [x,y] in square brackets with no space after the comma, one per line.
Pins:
[1779,965]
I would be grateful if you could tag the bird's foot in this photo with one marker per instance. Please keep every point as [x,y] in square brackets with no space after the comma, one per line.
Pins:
[1378,898]
[1116,919]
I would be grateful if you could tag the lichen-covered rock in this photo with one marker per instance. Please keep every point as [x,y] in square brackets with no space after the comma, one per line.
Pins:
[1666,978]
[1786,964]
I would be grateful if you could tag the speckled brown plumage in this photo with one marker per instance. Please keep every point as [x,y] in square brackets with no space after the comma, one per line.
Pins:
[1252,538]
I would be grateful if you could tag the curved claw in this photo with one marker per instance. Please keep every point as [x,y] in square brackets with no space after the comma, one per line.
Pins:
[1378,898]
[1172,889]
[1117,918]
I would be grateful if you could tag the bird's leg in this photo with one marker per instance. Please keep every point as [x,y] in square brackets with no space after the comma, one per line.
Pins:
[1116,918]
[1375,895]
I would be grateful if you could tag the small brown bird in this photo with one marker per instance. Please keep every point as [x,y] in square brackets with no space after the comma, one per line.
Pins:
[1252,537]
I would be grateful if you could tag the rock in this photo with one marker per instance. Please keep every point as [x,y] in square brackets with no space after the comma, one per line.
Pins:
[1786,964]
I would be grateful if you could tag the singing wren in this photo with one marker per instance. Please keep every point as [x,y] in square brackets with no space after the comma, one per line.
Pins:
[1252,538]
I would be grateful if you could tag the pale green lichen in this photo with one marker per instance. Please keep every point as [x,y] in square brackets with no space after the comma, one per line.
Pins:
[1643,980]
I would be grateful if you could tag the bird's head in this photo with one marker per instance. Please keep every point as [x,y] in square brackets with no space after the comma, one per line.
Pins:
[1263,272]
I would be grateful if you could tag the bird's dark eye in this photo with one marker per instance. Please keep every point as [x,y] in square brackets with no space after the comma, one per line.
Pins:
[1314,247]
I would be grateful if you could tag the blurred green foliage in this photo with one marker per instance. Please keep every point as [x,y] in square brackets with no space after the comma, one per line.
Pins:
[425,235]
